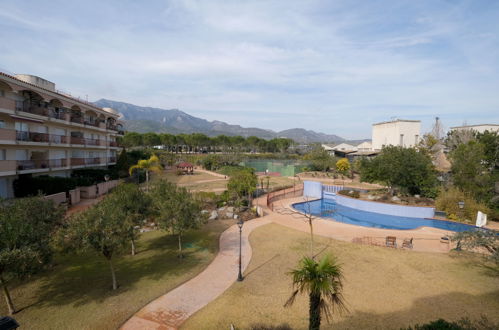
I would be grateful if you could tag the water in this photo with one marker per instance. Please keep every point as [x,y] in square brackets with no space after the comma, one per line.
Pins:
[284,167]
[329,209]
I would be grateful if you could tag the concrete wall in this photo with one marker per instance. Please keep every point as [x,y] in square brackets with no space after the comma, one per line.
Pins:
[389,134]
[74,196]
[385,208]
[58,198]
[88,192]
[312,189]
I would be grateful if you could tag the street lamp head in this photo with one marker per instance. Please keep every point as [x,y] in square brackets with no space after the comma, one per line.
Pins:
[240,223]
[461,204]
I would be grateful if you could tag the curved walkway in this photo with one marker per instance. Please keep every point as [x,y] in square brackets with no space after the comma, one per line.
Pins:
[172,309]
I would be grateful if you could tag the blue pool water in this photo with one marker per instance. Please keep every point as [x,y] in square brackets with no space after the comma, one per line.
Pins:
[326,208]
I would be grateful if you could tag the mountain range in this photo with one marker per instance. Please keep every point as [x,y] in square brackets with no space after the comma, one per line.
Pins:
[173,121]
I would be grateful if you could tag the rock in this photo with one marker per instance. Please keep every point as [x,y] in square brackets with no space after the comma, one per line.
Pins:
[371,197]
[395,199]
[417,196]
[205,212]
[222,209]
[236,217]
[229,215]
[230,209]
[213,215]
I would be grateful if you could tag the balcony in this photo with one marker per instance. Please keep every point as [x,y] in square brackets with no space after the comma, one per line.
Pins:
[7,134]
[32,137]
[33,109]
[58,115]
[35,164]
[77,140]
[58,139]
[91,122]
[113,143]
[92,142]
[7,165]
[86,161]
[77,120]
[112,159]
[77,161]
[92,161]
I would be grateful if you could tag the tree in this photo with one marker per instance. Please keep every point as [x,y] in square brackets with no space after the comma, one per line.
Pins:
[151,164]
[457,137]
[175,209]
[323,281]
[133,206]
[320,158]
[100,228]
[342,166]
[151,139]
[26,228]
[242,184]
[132,139]
[123,164]
[487,239]
[404,168]
[469,170]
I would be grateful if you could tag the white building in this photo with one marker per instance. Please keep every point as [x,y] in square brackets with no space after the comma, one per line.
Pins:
[404,133]
[479,128]
[365,146]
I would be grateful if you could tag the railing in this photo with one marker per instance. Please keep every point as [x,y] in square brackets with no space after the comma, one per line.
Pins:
[77,120]
[92,142]
[77,140]
[92,161]
[56,163]
[77,161]
[332,189]
[34,109]
[58,115]
[121,132]
[275,196]
[32,164]
[32,136]
[112,160]
[112,127]
[113,143]
[7,134]
[92,122]
[62,139]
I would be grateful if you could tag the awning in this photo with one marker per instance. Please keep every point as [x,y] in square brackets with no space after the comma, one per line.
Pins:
[27,119]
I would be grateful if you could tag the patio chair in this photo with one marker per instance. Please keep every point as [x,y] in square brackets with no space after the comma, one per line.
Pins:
[391,241]
[407,243]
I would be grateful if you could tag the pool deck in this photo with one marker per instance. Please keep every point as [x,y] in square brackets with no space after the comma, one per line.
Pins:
[425,239]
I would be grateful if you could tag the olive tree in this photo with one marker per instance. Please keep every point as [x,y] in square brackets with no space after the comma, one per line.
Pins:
[26,228]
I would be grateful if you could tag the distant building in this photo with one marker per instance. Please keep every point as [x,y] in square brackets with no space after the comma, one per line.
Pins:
[365,146]
[479,128]
[46,132]
[404,133]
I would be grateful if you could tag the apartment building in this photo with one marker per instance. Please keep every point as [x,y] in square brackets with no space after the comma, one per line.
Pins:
[46,132]
[399,132]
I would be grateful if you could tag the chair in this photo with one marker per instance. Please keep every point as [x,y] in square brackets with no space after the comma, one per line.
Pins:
[391,241]
[407,243]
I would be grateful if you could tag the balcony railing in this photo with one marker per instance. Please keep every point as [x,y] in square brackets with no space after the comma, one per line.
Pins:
[92,122]
[77,120]
[112,159]
[32,164]
[86,161]
[34,109]
[77,140]
[62,139]
[58,114]
[113,143]
[57,163]
[92,161]
[112,127]
[32,136]
[92,142]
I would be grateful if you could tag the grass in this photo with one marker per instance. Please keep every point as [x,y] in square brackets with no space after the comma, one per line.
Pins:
[384,288]
[76,293]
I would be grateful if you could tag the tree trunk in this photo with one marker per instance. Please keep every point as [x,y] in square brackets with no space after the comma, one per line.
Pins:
[113,275]
[180,246]
[6,294]
[133,247]
[147,180]
[314,320]
[311,238]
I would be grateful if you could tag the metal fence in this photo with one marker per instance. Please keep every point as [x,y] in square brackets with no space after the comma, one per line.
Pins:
[275,196]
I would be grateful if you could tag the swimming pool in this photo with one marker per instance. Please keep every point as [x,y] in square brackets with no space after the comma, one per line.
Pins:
[326,208]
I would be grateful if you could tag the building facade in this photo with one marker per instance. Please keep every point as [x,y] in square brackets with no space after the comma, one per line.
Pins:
[404,133]
[45,132]
[479,128]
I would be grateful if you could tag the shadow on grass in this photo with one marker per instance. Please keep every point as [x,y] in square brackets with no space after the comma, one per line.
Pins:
[81,279]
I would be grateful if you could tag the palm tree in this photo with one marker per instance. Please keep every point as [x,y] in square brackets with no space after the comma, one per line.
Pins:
[323,282]
[151,164]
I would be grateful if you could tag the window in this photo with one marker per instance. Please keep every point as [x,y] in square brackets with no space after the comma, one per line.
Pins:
[401,140]
[3,154]
[2,123]
[2,93]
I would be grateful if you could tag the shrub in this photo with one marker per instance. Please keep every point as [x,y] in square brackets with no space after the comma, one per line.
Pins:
[463,324]
[349,193]
[48,185]
[448,201]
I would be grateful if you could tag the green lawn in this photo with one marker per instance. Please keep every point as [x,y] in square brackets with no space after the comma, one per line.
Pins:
[76,292]
[384,288]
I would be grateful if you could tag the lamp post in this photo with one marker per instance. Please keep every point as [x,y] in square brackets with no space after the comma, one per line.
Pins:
[240,224]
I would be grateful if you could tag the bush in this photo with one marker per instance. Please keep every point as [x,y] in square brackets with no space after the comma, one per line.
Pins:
[448,201]
[47,185]
[349,193]
[463,324]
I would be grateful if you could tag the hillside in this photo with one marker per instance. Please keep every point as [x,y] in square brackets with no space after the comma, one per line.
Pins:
[148,119]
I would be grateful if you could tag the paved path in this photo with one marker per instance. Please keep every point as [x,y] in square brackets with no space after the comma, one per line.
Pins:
[172,309]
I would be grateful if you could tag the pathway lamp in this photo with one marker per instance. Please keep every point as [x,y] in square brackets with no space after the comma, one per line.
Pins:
[240,224]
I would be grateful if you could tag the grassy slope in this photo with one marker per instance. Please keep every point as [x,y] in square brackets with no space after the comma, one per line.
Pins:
[76,293]
[384,288]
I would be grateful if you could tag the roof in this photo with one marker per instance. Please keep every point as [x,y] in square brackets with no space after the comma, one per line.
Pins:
[364,153]
[185,164]
[470,126]
[398,120]
[71,98]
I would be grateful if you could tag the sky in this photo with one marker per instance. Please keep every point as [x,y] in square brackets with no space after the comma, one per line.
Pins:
[331,66]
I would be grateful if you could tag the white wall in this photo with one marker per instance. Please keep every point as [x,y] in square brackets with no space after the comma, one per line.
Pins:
[389,133]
